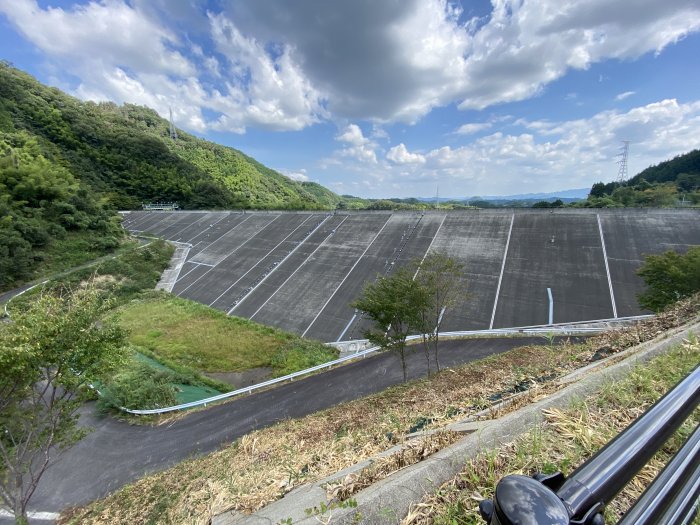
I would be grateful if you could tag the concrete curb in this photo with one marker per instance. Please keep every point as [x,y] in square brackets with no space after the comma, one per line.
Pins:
[388,500]
[170,275]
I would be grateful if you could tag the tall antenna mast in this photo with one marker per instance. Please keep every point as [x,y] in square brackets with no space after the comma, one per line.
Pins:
[173,132]
[437,197]
[622,170]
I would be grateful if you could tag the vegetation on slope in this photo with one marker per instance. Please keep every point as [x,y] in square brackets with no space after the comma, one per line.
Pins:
[47,217]
[669,277]
[185,333]
[565,440]
[666,184]
[125,153]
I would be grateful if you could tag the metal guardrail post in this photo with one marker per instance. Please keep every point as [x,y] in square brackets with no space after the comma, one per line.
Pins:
[580,498]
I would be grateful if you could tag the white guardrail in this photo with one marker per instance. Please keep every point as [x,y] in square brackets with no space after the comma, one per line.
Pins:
[566,329]
[6,311]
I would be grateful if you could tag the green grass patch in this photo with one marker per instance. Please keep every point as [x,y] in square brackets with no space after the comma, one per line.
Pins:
[135,268]
[300,354]
[144,383]
[181,332]
[207,382]
[74,249]
[189,385]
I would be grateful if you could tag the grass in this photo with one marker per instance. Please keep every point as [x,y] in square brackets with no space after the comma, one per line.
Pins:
[264,465]
[131,270]
[193,335]
[74,249]
[194,389]
[565,440]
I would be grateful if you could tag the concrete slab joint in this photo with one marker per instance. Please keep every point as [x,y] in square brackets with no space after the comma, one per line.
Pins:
[388,500]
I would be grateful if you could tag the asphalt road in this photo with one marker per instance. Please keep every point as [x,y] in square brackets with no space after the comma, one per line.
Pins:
[116,453]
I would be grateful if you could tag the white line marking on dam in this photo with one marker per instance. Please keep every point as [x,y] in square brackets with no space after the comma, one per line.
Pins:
[503,267]
[607,268]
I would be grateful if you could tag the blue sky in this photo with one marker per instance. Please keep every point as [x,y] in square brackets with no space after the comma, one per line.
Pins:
[390,98]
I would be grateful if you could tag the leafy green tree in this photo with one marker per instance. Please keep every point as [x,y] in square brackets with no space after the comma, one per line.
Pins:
[395,304]
[597,190]
[688,182]
[669,277]
[49,353]
[442,279]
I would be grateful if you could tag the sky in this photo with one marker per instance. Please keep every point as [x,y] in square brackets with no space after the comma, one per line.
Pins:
[390,98]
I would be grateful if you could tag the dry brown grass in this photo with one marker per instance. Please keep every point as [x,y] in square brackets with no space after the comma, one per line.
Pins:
[564,441]
[410,453]
[266,464]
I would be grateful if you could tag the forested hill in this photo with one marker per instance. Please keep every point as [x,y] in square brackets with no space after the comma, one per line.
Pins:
[684,167]
[669,183]
[126,155]
[66,166]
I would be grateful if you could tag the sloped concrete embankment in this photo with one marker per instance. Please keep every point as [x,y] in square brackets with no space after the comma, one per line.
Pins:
[171,274]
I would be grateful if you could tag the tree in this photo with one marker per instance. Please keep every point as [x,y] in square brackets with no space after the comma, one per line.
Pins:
[688,182]
[597,190]
[442,279]
[49,353]
[394,303]
[669,277]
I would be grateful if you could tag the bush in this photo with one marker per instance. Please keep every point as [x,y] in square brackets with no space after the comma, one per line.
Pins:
[300,354]
[141,387]
[669,277]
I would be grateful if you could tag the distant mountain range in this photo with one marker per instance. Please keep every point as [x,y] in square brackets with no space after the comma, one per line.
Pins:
[580,193]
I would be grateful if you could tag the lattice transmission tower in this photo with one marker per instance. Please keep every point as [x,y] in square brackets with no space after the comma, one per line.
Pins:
[173,131]
[622,163]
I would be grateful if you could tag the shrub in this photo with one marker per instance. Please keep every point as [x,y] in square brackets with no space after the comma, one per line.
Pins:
[299,354]
[669,277]
[141,387]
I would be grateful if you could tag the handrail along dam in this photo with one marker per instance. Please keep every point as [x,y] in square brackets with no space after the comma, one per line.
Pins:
[300,271]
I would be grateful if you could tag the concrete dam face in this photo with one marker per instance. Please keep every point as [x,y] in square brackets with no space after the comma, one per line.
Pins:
[300,271]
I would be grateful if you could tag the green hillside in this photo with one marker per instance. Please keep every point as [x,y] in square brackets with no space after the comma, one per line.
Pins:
[125,153]
[66,166]
[669,183]
[682,169]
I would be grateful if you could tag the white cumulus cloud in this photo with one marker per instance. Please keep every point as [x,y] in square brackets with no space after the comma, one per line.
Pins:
[282,65]
[547,156]
[474,127]
[400,155]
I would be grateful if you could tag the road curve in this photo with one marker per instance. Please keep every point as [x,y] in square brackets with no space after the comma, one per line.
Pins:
[116,453]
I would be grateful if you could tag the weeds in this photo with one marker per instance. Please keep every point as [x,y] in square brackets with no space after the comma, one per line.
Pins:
[566,439]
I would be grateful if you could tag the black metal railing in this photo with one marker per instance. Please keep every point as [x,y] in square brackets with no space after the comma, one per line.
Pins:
[580,498]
